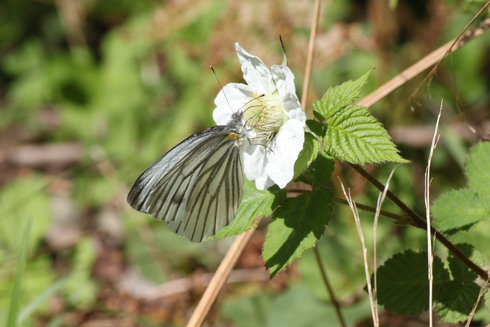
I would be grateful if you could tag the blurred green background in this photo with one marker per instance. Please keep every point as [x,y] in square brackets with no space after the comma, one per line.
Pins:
[92,92]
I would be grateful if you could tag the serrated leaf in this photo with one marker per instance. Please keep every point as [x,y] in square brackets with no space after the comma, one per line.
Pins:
[297,226]
[318,116]
[355,136]
[459,302]
[319,173]
[478,168]
[459,208]
[255,203]
[403,286]
[314,126]
[339,96]
[307,155]
[459,270]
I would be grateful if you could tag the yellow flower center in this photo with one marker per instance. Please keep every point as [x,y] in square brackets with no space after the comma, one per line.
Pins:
[263,116]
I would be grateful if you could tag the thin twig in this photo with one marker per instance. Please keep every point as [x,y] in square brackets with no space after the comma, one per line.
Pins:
[427,182]
[355,213]
[423,64]
[330,291]
[387,214]
[453,45]
[379,204]
[219,279]
[482,292]
[311,53]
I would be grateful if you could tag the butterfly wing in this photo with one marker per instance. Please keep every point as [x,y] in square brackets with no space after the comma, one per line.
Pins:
[196,187]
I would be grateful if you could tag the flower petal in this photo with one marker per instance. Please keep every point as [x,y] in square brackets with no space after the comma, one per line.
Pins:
[255,72]
[254,165]
[284,80]
[230,99]
[284,151]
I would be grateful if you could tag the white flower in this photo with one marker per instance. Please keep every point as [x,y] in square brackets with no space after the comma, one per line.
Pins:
[272,117]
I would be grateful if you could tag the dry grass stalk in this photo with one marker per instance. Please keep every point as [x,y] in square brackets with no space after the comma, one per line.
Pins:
[483,290]
[427,181]
[431,59]
[379,204]
[355,213]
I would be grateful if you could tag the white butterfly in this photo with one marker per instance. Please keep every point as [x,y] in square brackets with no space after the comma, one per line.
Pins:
[197,186]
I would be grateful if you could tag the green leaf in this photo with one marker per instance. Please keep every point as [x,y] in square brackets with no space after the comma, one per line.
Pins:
[16,294]
[339,96]
[355,136]
[255,204]
[315,126]
[307,155]
[459,270]
[458,302]
[403,286]
[319,173]
[297,226]
[478,168]
[460,208]
[460,294]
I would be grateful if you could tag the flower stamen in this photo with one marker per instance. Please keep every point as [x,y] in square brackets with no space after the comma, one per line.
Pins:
[264,115]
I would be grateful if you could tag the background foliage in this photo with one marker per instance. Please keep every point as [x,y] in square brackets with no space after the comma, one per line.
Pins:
[91,92]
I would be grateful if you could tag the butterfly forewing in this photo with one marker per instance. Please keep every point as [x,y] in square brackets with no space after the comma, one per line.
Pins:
[196,187]
[216,196]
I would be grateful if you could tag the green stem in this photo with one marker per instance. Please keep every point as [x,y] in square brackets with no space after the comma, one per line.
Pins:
[384,213]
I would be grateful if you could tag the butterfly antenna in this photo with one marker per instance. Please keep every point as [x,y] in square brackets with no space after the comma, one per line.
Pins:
[221,86]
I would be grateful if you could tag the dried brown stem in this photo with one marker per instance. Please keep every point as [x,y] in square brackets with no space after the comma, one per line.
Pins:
[431,59]
[219,279]
[329,288]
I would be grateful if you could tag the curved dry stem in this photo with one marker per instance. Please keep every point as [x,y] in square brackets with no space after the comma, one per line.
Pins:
[427,181]
[219,279]
[431,59]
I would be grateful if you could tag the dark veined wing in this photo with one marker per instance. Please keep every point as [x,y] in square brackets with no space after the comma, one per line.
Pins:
[196,187]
